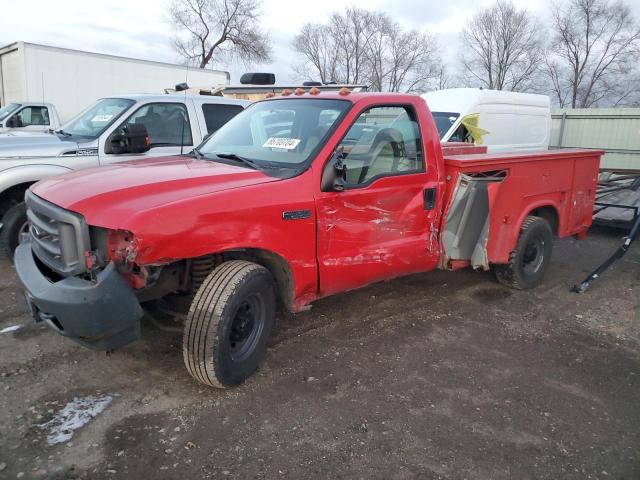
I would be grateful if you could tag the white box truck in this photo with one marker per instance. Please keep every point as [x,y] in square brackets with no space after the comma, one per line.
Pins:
[71,80]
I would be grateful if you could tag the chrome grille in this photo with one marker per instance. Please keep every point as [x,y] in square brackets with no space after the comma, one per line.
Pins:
[59,237]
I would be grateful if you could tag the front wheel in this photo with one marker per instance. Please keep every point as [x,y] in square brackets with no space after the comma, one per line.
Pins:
[229,323]
[15,228]
[529,261]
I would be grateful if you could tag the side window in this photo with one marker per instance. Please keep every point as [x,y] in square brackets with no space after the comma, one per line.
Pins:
[34,116]
[216,115]
[166,123]
[461,135]
[383,141]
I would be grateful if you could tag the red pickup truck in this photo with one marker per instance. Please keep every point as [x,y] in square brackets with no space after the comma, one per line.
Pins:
[296,198]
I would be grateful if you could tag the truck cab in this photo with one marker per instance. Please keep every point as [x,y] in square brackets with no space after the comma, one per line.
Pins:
[296,198]
[101,135]
[28,117]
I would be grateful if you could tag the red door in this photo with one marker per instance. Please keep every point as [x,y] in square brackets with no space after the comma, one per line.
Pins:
[383,224]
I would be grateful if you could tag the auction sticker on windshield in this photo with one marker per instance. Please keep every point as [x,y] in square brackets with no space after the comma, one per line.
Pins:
[102,118]
[286,143]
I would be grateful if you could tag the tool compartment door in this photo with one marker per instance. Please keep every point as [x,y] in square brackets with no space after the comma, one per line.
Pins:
[583,193]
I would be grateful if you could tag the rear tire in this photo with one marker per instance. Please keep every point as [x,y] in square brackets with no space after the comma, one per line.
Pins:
[14,223]
[229,324]
[528,262]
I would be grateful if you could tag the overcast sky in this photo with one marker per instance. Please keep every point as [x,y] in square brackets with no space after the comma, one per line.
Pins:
[139,29]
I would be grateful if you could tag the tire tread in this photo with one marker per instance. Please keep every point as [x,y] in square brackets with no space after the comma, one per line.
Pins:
[15,212]
[204,317]
[506,274]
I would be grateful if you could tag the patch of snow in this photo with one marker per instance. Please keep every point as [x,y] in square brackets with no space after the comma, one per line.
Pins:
[10,329]
[75,414]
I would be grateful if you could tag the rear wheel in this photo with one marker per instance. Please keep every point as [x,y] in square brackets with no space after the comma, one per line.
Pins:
[529,261]
[229,323]
[15,228]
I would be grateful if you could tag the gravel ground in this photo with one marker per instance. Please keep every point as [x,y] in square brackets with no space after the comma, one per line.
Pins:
[438,375]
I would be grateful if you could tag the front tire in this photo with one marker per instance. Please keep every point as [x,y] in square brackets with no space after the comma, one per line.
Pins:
[229,324]
[528,262]
[14,228]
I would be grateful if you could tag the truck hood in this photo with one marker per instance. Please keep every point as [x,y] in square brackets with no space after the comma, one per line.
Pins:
[107,196]
[24,145]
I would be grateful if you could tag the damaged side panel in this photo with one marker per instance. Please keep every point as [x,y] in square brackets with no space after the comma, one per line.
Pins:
[375,233]
[466,227]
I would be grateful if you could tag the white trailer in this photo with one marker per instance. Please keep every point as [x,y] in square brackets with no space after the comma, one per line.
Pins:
[72,79]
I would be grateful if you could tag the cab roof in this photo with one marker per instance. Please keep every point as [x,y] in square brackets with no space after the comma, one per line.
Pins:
[353,97]
[172,97]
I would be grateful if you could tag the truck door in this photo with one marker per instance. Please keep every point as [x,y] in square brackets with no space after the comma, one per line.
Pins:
[33,118]
[169,127]
[383,224]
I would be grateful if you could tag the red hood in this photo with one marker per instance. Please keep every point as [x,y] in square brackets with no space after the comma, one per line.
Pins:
[124,189]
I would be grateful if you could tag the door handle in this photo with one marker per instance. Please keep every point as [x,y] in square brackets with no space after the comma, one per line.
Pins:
[429,198]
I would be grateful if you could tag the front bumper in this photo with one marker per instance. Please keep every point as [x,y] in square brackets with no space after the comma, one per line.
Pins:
[103,314]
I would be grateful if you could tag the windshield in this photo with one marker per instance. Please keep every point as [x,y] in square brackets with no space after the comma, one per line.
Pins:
[8,110]
[444,120]
[279,133]
[97,118]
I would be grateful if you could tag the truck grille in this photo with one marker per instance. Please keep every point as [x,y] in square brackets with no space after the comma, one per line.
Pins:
[59,237]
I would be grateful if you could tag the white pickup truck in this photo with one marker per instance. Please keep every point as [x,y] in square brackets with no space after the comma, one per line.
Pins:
[28,117]
[114,129]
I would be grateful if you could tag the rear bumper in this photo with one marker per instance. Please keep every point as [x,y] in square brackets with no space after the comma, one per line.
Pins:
[103,314]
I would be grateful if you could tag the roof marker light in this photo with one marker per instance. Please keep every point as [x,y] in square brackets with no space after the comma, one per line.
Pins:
[286,92]
[344,91]
[270,95]
[299,91]
[314,91]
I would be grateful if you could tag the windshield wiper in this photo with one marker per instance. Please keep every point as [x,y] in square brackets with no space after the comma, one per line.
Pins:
[62,132]
[238,158]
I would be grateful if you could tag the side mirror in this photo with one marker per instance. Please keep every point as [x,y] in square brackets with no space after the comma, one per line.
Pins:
[334,176]
[133,138]
[14,122]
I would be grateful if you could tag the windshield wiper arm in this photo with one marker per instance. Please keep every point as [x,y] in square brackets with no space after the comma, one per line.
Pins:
[196,153]
[62,132]
[238,158]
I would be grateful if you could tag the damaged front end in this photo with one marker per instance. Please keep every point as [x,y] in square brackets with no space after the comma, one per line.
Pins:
[82,281]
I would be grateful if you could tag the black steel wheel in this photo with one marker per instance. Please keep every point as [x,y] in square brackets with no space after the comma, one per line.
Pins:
[229,324]
[246,327]
[529,261]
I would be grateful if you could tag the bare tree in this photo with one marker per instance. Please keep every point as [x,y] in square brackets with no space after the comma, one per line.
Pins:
[360,46]
[412,64]
[376,51]
[318,52]
[224,28]
[595,49]
[351,32]
[502,47]
[443,79]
